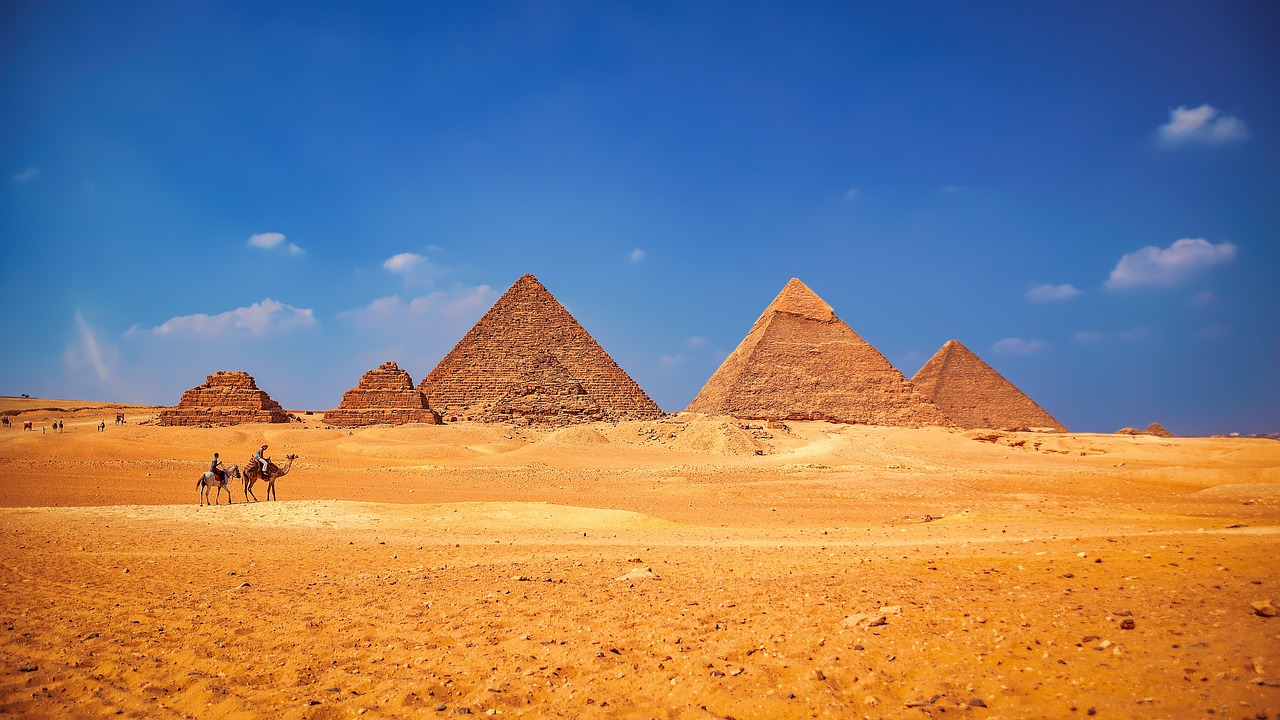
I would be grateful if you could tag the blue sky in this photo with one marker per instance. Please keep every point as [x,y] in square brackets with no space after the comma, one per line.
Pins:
[1085,194]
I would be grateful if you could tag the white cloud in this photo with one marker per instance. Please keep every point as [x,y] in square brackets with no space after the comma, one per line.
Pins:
[1087,336]
[1203,125]
[27,175]
[851,193]
[1017,346]
[636,255]
[1052,293]
[89,351]
[403,263]
[257,320]
[1153,266]
[272,240]
[697,341]
[460,303]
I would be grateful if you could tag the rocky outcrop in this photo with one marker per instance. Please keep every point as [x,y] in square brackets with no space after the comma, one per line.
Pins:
[384,396]
[225,398]
[801,362]
[973,395]
[1155,429]
[528,360]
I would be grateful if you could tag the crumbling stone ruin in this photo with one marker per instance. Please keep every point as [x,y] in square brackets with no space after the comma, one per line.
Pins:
[801,362]
[528,360]
[973,395]
[385,395]
[225,398]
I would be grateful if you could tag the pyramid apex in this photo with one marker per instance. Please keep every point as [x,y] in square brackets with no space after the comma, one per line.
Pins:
[797,299]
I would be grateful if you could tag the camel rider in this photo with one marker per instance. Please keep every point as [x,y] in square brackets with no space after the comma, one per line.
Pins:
[262,459]
[214,467]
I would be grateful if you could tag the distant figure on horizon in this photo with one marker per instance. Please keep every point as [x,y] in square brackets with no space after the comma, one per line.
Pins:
[102,426]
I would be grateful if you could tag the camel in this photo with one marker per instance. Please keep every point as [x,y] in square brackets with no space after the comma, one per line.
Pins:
[5,421]
[208,480]
[26,424]
[253,472]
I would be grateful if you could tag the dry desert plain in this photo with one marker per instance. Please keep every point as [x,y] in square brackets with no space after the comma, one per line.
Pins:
[644,569]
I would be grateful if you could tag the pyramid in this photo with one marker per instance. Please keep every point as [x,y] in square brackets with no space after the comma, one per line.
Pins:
[528,360]
[385,395]
[974,395]
[225,398]
[801,362]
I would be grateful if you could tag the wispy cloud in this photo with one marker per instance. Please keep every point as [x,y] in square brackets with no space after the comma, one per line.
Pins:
[272,241]
[1204,125]
[257,320]
[90,351]
[697,341]
[851,194]
[459,303]
[1215,331]
[1166,267]
[953,189]
[1052,293]
[636,256]
[415,269]
[1087,336]
[1017,346]
[26,175]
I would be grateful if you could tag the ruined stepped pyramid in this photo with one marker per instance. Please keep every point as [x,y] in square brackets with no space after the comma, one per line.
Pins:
[528,360]
[801,362]
[974,395]
[385,395]
[225,398]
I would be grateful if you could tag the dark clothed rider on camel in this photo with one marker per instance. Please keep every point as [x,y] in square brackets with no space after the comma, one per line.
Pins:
[215,467]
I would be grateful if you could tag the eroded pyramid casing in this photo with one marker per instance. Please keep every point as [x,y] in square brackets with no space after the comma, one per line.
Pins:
[974,395]
[529,360]
[801,362]
[225,398]
[385,395]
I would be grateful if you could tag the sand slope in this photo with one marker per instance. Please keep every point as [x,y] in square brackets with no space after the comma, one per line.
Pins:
[641,569]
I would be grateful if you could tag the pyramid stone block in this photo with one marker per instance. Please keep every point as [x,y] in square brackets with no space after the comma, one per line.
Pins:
[225,398]
[801,362]
[528,360]
[385,395]
[974,395]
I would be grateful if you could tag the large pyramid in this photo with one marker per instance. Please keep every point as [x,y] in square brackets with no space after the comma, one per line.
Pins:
[974,395]
[528,360]
[385,395]
[801,362]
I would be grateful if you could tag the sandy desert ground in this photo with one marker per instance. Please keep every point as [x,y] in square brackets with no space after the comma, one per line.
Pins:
[651,569]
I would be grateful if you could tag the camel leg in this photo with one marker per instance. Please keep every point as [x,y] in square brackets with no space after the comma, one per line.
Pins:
[248,488]
[271,489]
[200,490]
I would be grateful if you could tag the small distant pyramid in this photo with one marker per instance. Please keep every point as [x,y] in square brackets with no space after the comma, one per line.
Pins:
[801,362]
[528,360]
[385,395]
[974,395]
[225,398]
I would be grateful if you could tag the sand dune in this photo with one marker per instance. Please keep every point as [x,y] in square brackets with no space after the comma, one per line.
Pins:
[640,569]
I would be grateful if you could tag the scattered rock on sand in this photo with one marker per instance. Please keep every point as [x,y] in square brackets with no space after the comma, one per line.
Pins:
[1263,608]
[865,620]
[644,573]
